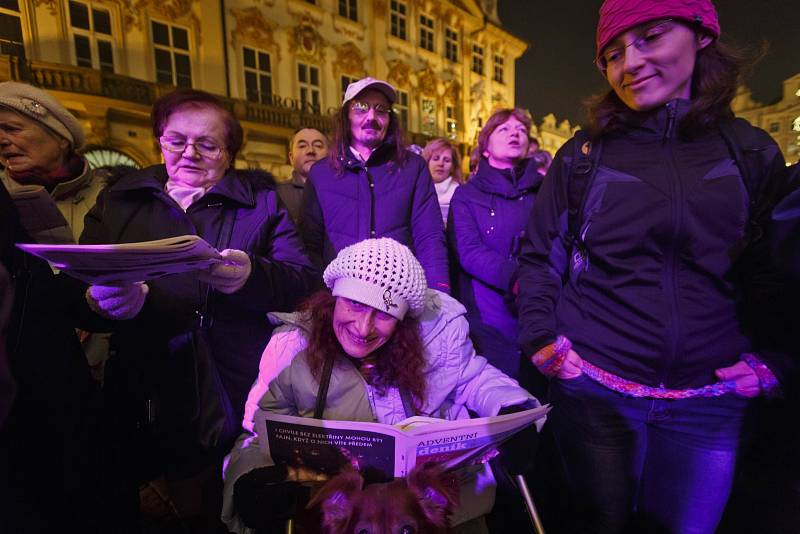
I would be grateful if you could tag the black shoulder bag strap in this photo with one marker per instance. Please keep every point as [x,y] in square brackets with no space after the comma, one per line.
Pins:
[322,393]
[585,160]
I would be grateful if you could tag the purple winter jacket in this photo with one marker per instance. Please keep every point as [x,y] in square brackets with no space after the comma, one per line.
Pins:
[373,199]
[487,221]
[656,298]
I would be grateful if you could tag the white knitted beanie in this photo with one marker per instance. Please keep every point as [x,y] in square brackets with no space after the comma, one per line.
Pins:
[380,273]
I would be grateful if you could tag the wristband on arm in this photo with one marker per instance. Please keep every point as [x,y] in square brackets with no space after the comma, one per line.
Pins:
[550,358]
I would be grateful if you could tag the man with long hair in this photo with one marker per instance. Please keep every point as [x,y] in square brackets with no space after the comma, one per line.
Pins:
[372,186]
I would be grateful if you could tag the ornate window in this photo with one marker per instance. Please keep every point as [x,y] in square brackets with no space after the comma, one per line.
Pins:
[257,75]
[428,116]
[401,109]
[92,39]
[11,29]
[426,32]
[499,67]
[399,14]
[348,9]
[477,59]
[171,53]
[451,44]
[308,83]
[451,122]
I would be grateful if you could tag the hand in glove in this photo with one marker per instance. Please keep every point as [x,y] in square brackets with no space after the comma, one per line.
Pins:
[517,454]
[117,302]
[230,275]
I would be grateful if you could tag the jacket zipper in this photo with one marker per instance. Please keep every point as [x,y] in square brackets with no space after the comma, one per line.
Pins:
[371,202]
[672,258]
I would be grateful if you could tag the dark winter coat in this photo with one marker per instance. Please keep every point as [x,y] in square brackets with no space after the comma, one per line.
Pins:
[152,350]
[375,199]
[487,221]
[655,298]
[49,438]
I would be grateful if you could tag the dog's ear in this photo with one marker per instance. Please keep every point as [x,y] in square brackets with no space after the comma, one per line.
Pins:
[335,499]
[436,491]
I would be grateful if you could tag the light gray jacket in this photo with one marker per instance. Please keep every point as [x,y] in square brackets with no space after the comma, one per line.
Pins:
[457,380]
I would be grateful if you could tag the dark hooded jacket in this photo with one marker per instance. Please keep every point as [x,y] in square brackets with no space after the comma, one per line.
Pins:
[375,199]
[486,224]
[154,350]
[656,298]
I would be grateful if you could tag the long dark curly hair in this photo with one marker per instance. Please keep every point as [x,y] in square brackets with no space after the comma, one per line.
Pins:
[716,75]
[400,362]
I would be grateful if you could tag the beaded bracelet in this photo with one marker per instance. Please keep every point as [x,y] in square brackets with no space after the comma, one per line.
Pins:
[550,358]
[766,379]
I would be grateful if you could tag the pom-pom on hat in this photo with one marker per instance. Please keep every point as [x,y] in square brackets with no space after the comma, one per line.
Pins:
[40,106]
[617,16]
[380,273]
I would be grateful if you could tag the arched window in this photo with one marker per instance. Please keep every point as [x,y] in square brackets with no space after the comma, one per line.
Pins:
[106,157]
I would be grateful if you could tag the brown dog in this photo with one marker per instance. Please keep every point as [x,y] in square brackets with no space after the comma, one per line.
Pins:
[418,504]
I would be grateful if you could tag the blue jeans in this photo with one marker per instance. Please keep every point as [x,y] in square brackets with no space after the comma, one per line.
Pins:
[645,465]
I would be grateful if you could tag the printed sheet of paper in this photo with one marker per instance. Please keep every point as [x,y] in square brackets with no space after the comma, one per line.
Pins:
[128,262]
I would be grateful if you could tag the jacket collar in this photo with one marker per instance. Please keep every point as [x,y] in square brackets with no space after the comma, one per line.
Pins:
[662,121]
[67,189]
[383,153]
[509,183]
[155,177]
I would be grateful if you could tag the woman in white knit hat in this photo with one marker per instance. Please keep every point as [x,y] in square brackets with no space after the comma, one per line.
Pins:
[388,348]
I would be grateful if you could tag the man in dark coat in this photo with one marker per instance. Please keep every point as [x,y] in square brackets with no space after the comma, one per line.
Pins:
[308,146]
[372,186]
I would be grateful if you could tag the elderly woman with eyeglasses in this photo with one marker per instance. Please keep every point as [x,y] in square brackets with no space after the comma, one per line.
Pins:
[186,347]
[637,279]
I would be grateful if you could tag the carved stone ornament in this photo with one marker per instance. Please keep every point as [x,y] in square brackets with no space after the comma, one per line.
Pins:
[253,29]
[399,73]
[452,92]
[427,81]
[379,8]
[306,42]
[52,5]
[349,60]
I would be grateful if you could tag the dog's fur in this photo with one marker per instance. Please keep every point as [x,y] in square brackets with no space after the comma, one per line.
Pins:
[418,504]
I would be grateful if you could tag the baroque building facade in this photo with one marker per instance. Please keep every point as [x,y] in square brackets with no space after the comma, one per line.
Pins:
[780,119]
[277,64]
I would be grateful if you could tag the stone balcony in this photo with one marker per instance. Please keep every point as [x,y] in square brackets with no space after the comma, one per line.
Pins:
[281,113]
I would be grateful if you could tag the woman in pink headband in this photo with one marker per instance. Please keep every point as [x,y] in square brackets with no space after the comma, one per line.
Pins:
[640,252]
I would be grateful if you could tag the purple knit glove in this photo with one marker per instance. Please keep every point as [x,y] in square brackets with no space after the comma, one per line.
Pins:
[230,275]
[117,302]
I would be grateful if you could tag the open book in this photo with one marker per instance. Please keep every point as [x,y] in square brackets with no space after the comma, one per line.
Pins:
[386,450]
[128,262]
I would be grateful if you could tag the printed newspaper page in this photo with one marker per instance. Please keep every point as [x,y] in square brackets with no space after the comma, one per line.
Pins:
[384,450]
[128,262]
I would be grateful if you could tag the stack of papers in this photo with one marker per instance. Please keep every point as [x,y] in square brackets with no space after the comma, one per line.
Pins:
[128,262]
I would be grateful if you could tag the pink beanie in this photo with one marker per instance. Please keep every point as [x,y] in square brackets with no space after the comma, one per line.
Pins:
[617,16]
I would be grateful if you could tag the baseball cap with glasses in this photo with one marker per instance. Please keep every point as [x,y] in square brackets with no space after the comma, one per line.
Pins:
[204,147]
[651,37]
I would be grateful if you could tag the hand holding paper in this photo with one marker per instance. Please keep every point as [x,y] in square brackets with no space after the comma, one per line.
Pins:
[230,275]
[117,302]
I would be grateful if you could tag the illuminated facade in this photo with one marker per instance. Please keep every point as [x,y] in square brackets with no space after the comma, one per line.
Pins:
[278,64]
[552,134]
[781,119]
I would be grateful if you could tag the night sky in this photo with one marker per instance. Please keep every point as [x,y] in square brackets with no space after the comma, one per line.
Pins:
[557,73]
